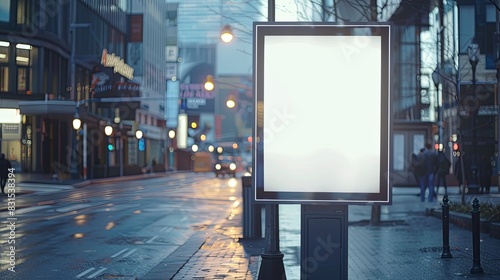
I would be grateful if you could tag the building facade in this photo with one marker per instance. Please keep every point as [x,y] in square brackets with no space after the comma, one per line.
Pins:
[146,49]
[66,60]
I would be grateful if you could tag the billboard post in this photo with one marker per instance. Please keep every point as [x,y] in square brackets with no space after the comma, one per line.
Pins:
[271,266]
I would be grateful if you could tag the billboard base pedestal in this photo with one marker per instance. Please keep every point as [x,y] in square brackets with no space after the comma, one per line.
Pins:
[323,242]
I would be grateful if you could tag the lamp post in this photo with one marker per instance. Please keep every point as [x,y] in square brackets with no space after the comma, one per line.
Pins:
[474,53]
[436,78]
[77,124]
[138,136]
[108,130]
[171,150]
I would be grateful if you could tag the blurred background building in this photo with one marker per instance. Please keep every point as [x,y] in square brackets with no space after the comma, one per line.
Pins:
[51,67]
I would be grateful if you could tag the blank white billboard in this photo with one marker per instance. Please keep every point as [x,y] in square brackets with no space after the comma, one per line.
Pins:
[322,103]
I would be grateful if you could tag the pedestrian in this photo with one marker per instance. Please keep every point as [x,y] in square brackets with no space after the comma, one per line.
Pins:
[485,174]
[415,167]
[4,171]
[443,170]
[429,165]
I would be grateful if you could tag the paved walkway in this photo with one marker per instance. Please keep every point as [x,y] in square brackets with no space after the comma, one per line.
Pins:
[407,245]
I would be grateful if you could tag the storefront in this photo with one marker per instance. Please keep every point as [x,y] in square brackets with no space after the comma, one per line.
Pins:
[10,136]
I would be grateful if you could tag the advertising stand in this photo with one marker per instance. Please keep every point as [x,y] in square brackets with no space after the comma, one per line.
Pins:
[322,129]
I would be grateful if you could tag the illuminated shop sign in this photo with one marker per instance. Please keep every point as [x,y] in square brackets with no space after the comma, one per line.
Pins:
[119,66]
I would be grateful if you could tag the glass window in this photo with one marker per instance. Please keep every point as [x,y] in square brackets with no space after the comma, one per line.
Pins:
[23,54]
[5,11]
[22,79]
[4,52]
[4,79]
[418,143]
[466,27]
[21,11]
[399,152]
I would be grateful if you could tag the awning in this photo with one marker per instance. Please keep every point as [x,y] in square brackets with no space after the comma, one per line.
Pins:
[47,107]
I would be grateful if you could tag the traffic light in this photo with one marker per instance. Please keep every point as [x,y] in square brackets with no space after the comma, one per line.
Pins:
[456,149]
[111,147]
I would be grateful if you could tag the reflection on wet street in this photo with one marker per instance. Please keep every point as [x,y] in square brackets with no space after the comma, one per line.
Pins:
[110,230]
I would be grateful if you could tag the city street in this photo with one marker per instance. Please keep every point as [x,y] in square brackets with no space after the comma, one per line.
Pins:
[117,230]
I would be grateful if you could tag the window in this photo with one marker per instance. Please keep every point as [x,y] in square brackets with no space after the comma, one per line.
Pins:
[23,54]
[4,79]
[466,27]
[22,78]
[22,11]
[399,152]
[5,11]
[4,52]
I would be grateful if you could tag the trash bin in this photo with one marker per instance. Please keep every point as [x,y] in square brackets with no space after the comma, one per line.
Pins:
[251,211]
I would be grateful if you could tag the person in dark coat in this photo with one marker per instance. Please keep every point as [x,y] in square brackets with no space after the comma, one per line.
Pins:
[414,167]
[485,174]
[4,171]
[443,170]
[429,165]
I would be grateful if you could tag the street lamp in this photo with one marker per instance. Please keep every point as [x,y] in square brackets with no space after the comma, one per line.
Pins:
[77,123]
[231,103]
[436,78]
[138,134]
[474,55]
[209,83]
[171,150]
[226,35]
[108,130]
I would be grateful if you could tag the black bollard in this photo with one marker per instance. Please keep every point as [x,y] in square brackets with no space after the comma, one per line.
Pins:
[446,228]
[476,258]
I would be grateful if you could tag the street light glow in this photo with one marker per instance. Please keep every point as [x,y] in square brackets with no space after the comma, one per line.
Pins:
[171,134]
[209,83]
[138,134]
[77,123]
[226,34]
[108,130]
[230,104]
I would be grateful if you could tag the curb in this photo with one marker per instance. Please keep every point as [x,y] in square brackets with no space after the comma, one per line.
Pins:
[464,221]
[120,178]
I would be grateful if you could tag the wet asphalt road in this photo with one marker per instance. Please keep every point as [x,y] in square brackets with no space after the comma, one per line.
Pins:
[117,230]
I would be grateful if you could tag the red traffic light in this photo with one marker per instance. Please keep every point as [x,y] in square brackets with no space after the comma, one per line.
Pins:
[456,147]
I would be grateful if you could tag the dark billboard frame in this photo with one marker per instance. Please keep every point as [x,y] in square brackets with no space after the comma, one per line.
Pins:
[280,57]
